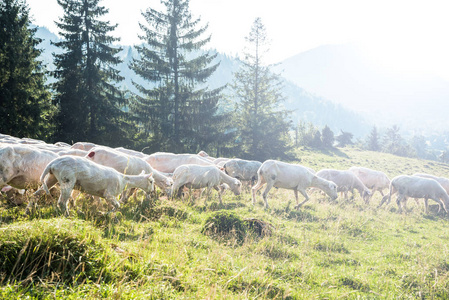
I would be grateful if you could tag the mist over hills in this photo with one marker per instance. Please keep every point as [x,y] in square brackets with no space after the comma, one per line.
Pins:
[305,105]
[344,74]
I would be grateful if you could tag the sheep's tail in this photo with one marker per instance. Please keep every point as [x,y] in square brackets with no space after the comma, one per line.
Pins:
[45,173]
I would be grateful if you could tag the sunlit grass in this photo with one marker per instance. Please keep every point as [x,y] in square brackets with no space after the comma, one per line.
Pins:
[158,249]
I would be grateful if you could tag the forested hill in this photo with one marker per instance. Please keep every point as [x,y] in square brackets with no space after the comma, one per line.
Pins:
[305,106]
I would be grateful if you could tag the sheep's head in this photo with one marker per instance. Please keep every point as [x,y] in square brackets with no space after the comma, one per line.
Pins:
[332,191]
[237,187]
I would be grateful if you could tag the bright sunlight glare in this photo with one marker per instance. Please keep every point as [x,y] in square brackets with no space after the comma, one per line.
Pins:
[407,37]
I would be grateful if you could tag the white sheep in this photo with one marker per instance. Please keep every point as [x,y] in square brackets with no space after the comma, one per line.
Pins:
[243,170]
[346,182]
[22,165]
[290,176]
[168,162]
[417,187]
[86,146]
[442,180]
[127,164]
[74,172]
[199,177]
[372,179]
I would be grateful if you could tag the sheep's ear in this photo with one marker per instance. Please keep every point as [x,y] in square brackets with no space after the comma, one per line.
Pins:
[149,175]
[91,154]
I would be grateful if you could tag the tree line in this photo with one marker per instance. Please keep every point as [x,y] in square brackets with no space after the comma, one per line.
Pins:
[173,111]
[389,140]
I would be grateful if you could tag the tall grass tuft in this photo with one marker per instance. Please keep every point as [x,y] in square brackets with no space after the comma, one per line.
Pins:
[59,250]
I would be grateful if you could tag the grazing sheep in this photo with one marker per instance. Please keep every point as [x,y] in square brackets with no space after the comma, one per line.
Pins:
[168,162]
[198,177]
[22,165]
[127,164]
[74,172]
[417,187]
[442,180]
[346,182]
[221,161]
[86,146]
[75,152]
[243,170]
[372,179]
[204,154]
[289,176]
[131,152]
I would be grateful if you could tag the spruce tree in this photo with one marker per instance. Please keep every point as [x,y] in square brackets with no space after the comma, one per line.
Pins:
[261,121]
[25,101]
[344,138]
[373,140]
[176,111]
[90,105]
[327,137]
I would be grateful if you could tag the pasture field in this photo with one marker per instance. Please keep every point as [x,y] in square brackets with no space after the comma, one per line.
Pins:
[167,249]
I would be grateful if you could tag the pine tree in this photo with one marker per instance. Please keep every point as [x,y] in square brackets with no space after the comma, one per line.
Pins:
[344,138]
[90,105]
[260,120]
[394,143]
[25,101]
[176,111]
[327,137]
[373,140]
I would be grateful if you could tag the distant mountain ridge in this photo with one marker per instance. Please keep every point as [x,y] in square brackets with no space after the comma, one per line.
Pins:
[305,105]
[345,75]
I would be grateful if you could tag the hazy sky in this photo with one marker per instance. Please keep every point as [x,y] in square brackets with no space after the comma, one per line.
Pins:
[407,37]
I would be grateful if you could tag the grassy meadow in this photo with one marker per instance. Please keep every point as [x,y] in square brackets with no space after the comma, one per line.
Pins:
[163,249]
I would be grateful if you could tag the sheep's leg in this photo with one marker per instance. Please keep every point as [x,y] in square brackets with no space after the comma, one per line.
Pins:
[387,197]
[426,206]
[258,186]
[417,201]
[404,203]
[66,191]
[303,192]
[74,195]
[208,191]
[112,200]
[384,199]
[220,191]
[440,204]
[128,193]
[265,193]
[398,202]
[50,180]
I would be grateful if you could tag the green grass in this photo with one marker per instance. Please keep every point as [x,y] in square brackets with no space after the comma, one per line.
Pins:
[161,249]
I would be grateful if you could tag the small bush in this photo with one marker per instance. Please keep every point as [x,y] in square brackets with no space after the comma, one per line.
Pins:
[55,250]
[225,224]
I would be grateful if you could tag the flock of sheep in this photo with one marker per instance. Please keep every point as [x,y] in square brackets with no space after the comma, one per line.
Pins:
[112,172]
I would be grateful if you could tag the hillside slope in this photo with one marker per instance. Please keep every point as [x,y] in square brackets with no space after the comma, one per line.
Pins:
[342,249]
